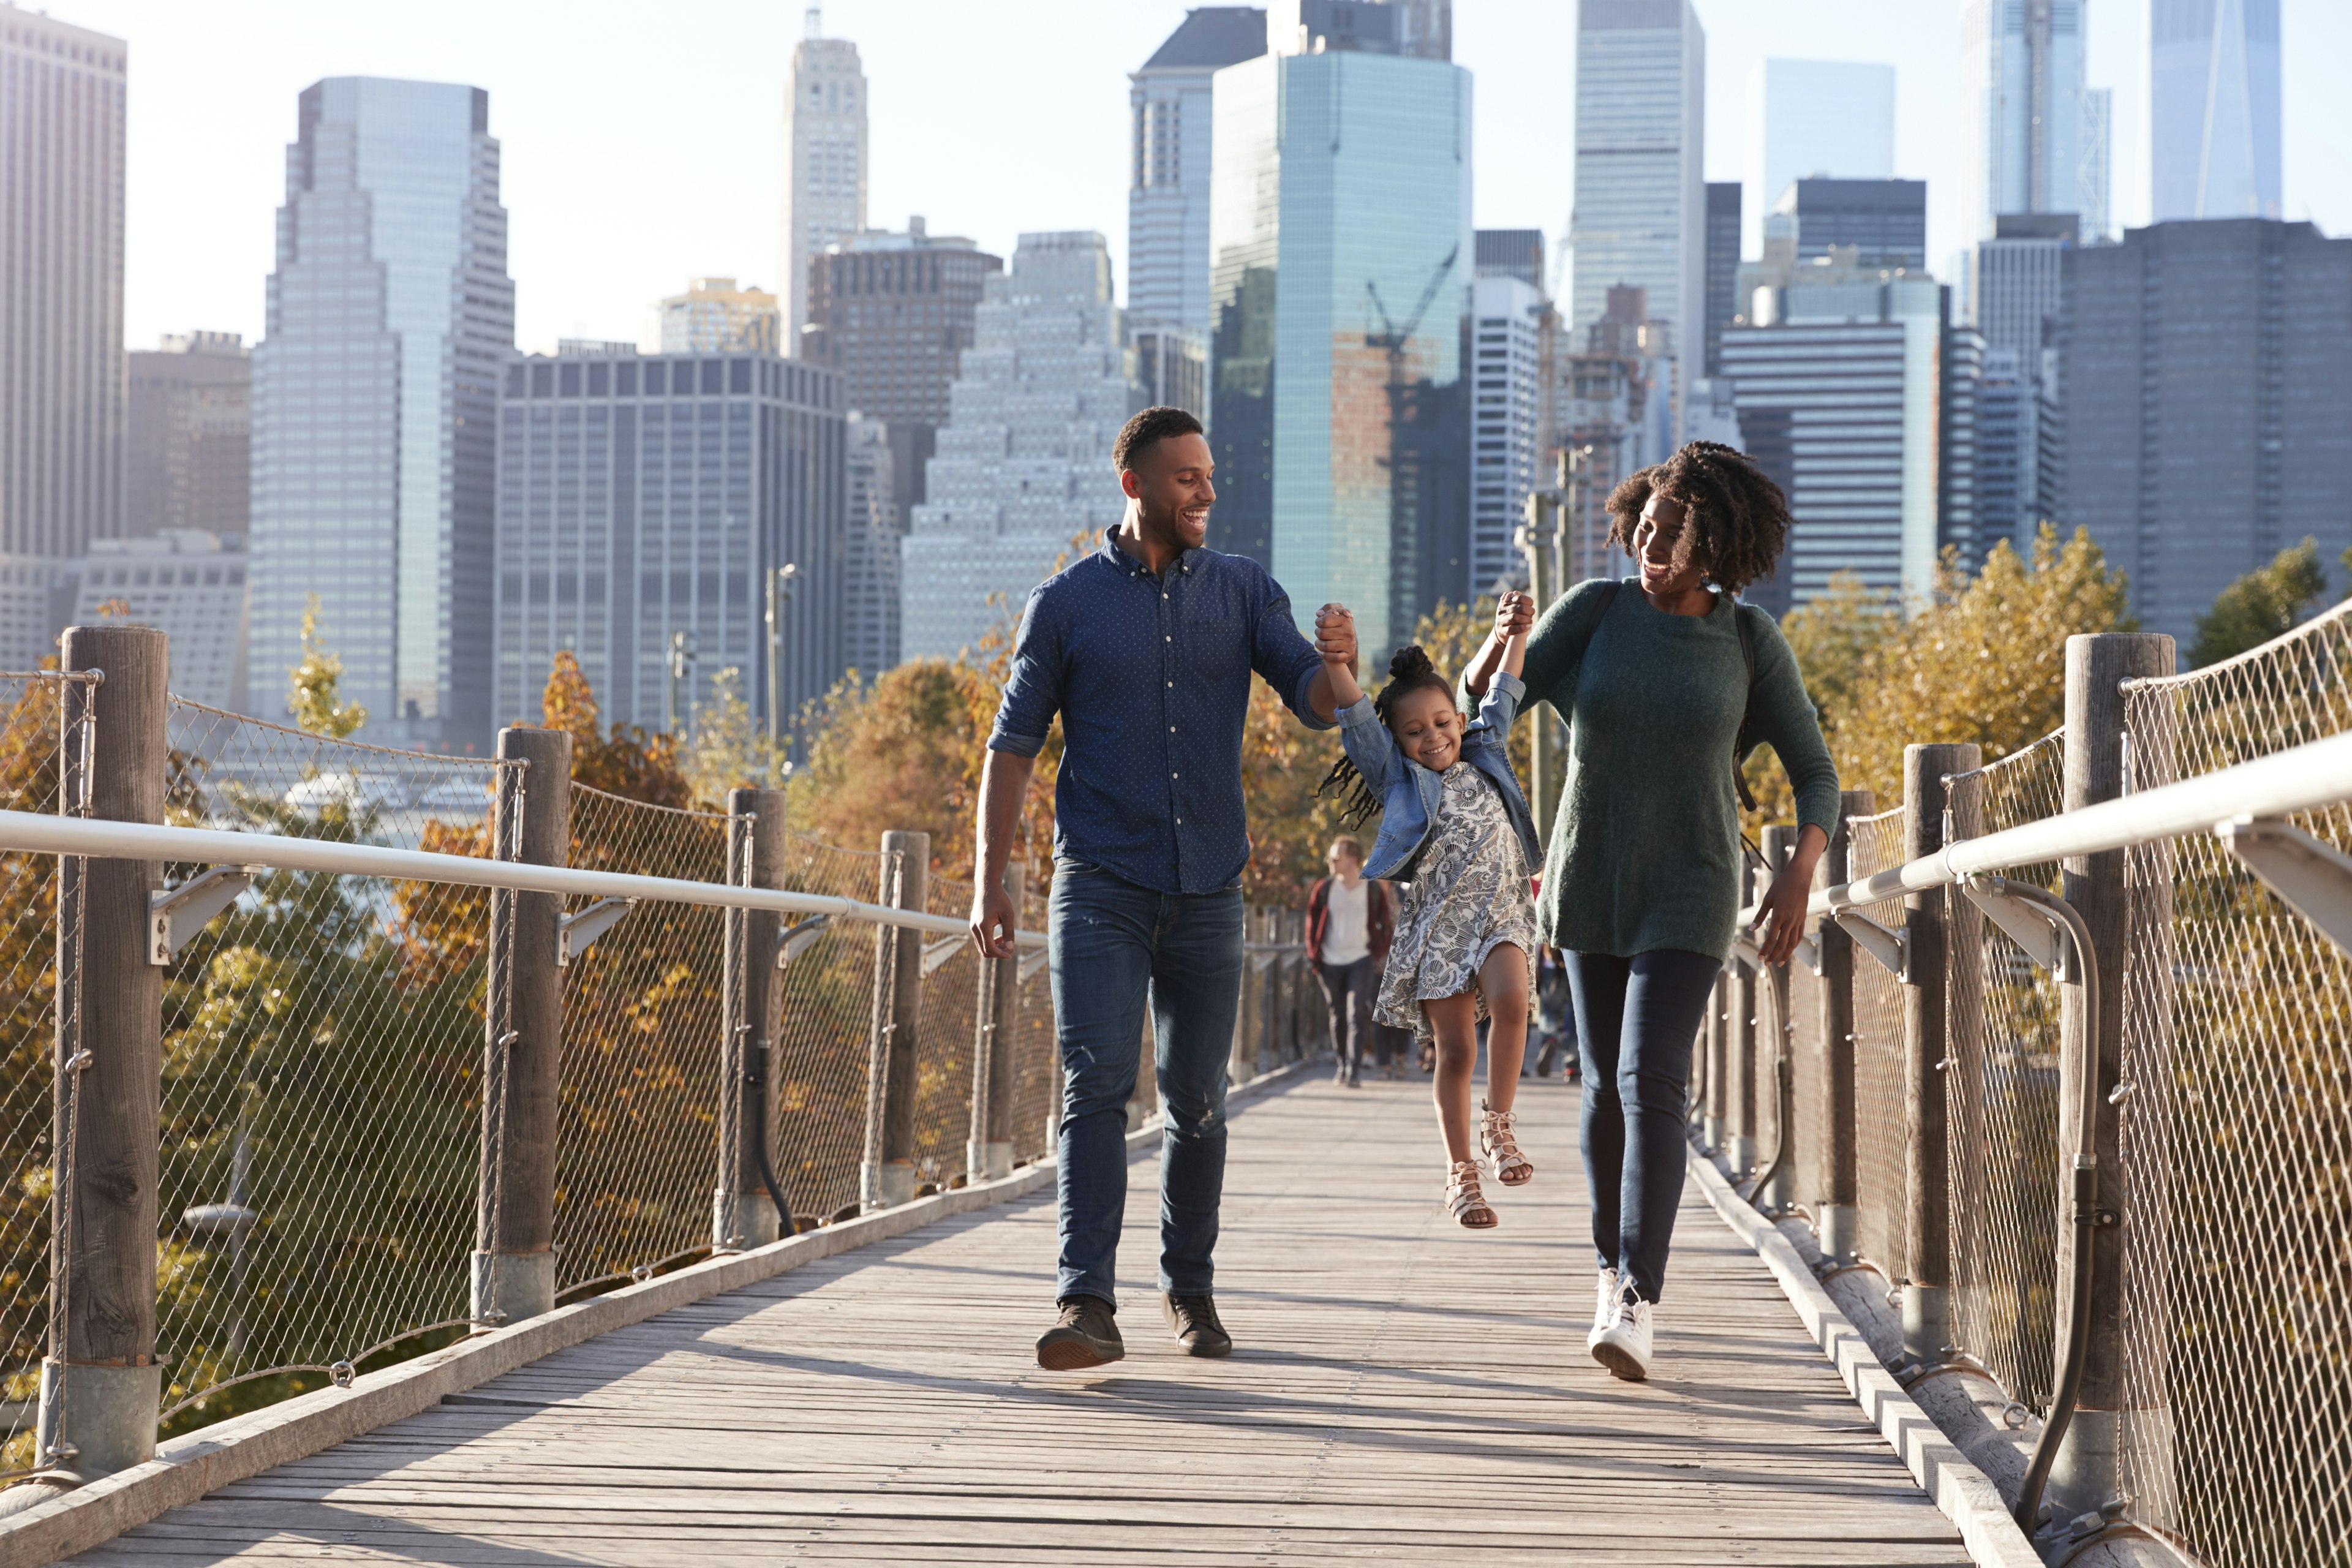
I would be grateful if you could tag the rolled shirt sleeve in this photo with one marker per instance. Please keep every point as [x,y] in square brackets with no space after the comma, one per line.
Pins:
[1285,659]
[1033,691]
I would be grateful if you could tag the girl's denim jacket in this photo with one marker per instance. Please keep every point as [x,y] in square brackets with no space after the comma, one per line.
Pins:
[1410,792]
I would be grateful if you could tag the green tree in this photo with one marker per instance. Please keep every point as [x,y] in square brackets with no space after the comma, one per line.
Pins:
[2265,603]
[729,748]
[315,694]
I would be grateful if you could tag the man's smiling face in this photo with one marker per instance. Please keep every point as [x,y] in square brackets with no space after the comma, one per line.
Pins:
[1170,483]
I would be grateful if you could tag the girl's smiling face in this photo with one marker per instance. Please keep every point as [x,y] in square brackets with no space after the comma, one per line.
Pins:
[1428,726]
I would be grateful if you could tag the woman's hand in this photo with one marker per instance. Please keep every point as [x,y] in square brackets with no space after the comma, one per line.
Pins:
[1779,923]
[1515,614]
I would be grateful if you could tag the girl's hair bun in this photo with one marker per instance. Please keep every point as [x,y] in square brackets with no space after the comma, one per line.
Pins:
[1409,662]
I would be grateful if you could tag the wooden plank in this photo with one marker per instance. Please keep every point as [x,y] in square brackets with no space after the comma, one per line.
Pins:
[1404,1391]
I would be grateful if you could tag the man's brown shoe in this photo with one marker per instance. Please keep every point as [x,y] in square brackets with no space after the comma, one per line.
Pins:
[1083,1336]
[1193,1321]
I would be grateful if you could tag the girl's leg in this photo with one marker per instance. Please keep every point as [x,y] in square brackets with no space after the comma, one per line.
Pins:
[1453,1020]
[1664,1000]
[1502,980]
[1597,984]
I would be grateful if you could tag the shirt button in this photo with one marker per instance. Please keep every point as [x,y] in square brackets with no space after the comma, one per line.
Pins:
[1171,686]
[1171,729]
[1175,775]
[1167,639]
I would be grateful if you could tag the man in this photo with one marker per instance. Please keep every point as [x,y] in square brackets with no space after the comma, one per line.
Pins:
[1349,924]
[1145,649]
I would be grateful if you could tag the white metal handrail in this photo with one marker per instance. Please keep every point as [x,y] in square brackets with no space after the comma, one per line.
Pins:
[39,834]
[2301,778]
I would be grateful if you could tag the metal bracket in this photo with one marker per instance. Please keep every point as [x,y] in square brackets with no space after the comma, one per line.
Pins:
[576,934]
[2030,926]
[175,916]
[2314,879]
[938,952]
[1034,962]
[1891,948]
[795,940]
[1808,951]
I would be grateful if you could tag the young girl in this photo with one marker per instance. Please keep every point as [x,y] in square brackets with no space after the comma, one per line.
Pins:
[1456,830]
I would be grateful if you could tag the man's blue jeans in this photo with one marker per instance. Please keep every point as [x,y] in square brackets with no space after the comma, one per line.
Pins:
[1118,947]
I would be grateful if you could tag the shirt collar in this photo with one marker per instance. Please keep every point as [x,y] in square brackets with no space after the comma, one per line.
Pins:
[1128,566]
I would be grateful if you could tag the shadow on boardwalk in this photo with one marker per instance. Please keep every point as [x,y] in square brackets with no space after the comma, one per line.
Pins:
[1405,1392]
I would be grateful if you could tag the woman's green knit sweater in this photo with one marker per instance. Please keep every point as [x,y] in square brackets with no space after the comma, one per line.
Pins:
[1645,850]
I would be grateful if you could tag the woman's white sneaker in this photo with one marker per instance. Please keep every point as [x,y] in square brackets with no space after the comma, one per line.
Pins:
[1604,1307]
[1624,1347]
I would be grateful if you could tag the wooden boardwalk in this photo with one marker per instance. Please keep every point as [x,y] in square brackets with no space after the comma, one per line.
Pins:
[1406,1392]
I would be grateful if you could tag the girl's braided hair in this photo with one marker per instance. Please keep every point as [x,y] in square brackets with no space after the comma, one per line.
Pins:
[1409,670]
[1738,517]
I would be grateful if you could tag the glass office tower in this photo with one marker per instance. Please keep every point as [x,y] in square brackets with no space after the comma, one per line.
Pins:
[1343,255]
[373,395]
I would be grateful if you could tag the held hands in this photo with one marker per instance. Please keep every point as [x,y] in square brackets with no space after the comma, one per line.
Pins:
[1515,614]
[1335,636]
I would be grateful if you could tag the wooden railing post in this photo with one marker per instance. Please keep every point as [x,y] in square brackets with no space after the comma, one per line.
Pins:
[2084,1476]
[1713,1116]
[988,1152]
[1775,1084]
[100,1382]
[522,1051]
[742,1213]
[1739,1053]
[889,1174]
[1927,1268]
[1840,1174]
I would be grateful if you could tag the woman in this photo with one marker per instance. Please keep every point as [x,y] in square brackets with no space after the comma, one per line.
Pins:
[1641,885]
[1348,928]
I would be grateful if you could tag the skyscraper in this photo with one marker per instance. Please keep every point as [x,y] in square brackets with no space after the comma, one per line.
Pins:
[2094,174]
[1884,222]
[2020,284]
[714,317]
[1723,240]
[1838,397]
[1024,463]
[61,382]
[2205,368]
[1167,183]
[824,161]
[1506,318]
[869,550]
[642,498]
[2024,60]
[1343,256]
[1821,118]
[2213,107]
[190,436]
[1513,253]
[375,393]
[893,314]
[1641,197]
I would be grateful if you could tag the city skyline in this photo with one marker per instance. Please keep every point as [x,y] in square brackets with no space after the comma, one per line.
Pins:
[570,163]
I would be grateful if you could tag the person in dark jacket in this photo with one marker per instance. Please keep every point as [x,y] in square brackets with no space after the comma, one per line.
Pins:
[1348,922]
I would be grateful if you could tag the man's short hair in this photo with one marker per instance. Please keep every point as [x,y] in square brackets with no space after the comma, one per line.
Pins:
[1147,430]
[1351,844]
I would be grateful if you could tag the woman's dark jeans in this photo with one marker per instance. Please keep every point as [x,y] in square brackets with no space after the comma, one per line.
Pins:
[1348,991]
[1636,1021]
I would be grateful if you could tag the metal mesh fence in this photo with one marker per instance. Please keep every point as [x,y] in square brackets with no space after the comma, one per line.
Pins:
[2237,1143]
[1882,1184]
[636,1142]
[828,1019]
[37,709]
[943,1045]
[322,1047]
[1810,1091]
[1037,1067]
[2002,1098]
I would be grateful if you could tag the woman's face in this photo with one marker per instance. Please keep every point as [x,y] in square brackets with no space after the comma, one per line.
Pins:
[1666,548]
[1428,726]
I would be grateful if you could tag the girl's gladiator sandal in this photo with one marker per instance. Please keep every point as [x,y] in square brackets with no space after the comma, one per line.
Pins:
[1462,1200]
[1511,1168]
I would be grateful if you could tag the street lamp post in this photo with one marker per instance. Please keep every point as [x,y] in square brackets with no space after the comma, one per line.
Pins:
[780,590]
[681,661]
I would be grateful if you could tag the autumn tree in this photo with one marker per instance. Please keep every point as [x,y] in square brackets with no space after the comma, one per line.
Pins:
[729,750]
[315,693]
[2265,603]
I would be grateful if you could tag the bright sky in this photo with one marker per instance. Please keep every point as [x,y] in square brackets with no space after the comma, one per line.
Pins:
[642,143]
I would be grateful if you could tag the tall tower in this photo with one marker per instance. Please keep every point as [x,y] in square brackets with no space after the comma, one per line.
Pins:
[2213,107]
[1641,195]
[61,366]
[1814,119]
[825,137]
[375,403]
[2024,60]
[1168,180]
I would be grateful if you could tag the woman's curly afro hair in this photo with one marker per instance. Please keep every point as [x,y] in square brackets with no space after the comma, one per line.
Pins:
[1738,517]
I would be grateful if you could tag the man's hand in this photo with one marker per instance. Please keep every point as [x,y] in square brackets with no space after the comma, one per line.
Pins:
[1514,613]
[993,920]
[1335,636]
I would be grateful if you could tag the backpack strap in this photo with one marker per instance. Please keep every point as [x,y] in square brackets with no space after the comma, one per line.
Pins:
[1743,745]
[1596,615]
